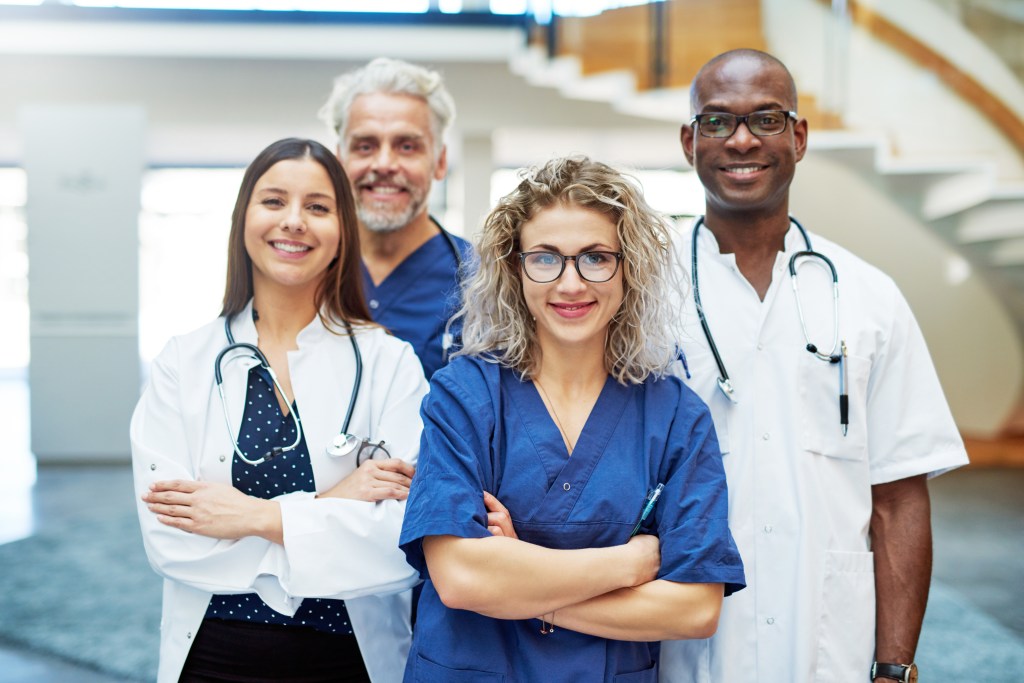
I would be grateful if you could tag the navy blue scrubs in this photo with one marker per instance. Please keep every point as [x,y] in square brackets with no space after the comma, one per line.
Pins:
[418,297]
[484,429]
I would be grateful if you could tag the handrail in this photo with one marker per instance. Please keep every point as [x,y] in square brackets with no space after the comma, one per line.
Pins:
[965,85]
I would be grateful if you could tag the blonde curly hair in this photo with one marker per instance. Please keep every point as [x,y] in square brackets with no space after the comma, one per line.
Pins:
[642,335]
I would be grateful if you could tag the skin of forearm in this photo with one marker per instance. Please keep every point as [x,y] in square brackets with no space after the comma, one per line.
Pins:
[269,525]
[506,578]
[901,540]
[658,610]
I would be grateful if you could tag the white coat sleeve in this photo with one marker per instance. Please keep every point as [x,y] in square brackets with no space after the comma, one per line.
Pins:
[348,548]
[911,429]
[166,446]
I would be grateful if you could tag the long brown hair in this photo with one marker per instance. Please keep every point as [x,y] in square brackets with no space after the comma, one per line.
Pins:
[339,296]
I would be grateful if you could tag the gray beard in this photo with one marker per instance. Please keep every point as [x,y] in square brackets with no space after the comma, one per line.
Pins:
[385,222]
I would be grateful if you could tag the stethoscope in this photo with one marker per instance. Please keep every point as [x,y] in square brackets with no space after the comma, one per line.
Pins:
[342,444]
[447,338]
[835,355]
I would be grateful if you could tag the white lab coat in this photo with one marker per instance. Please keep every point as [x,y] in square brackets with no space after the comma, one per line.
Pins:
[334,548]
[800,491]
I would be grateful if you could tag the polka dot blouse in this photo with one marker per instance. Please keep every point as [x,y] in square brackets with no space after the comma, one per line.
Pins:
[264,426]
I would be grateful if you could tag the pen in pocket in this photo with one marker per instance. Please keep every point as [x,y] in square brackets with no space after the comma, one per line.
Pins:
[649,501]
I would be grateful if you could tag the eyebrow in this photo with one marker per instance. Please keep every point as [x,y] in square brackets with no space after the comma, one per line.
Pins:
[596,246]
[311,195]
[372,137]
[763,106]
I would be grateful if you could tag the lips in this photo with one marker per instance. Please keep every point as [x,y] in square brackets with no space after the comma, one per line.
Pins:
[291,247]
[745,170]
[374,184]
[573,310]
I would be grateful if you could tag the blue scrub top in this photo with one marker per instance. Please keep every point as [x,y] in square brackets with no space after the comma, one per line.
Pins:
[419,296]
[484,429]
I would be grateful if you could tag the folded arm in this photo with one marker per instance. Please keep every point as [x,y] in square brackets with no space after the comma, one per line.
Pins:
[506,578]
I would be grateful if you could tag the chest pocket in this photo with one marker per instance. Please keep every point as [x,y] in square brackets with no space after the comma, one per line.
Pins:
[821,431]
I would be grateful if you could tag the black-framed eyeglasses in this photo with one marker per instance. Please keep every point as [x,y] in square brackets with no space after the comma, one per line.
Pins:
[369,450]
[760,123]
[548,266]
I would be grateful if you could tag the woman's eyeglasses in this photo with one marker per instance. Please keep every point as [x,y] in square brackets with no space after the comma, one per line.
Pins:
[548,266]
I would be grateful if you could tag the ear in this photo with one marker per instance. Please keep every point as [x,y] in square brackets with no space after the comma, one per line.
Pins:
[686,138]
[441,167]
[800,138]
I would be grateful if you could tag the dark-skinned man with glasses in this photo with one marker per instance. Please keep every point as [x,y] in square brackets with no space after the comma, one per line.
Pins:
[828,409]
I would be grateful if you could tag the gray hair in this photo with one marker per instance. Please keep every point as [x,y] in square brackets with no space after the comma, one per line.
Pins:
[393,77]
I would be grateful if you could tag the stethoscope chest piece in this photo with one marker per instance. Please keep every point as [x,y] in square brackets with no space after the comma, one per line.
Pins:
[342,444]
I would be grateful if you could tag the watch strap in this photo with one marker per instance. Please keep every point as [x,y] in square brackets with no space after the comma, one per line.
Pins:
[897,672]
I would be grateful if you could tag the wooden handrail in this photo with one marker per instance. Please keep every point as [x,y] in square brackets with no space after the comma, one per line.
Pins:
[965,85]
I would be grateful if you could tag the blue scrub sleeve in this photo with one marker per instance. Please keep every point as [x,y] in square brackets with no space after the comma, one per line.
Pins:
[446,496]
[693,514]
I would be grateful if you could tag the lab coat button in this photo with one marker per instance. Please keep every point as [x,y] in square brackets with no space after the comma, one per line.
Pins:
[152,466]
[767,528]
[223,458]
[766,436]
[566,486]
[760,347]
[189,635]
[770,620]
[374,304]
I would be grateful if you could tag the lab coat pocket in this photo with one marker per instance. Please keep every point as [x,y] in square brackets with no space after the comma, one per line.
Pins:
[846,624]
[648,675]
[432,672]
[822,431]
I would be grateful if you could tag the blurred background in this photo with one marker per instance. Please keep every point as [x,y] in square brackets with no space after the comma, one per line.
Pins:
[125,128]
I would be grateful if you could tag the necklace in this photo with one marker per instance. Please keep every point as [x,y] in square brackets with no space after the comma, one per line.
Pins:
[551,404]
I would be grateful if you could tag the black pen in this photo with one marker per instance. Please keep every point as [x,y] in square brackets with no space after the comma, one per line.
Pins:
[649,501]
[844,397]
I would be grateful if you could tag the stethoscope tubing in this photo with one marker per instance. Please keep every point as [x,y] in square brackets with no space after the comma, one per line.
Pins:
[724,381]
[259,356]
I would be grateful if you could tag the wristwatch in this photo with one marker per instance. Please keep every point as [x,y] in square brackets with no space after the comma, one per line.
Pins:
[904,673]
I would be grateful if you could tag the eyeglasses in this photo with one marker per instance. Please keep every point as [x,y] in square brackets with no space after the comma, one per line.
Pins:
[760,123]
[592,266]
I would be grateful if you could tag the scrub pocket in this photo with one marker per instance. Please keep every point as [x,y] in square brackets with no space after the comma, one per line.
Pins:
[431,672]
[821,431]
[648,675]
[846,624]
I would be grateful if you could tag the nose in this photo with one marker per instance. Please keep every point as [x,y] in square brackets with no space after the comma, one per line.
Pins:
[293,220]
[742,139]
[385,159]
[570,280]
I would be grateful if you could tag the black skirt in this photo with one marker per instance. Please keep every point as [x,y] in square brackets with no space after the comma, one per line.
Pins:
[239,651]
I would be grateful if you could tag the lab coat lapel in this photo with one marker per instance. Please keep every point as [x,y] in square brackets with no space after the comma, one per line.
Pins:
[235,368]
[322,373]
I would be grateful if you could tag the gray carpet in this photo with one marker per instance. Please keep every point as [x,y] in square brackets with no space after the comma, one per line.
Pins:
[81,588]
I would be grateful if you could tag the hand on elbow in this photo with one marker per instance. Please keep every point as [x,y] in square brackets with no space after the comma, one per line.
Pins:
[645,556]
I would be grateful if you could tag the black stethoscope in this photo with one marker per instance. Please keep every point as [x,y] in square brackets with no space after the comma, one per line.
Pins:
[837,354]
[447,338]
[342,444]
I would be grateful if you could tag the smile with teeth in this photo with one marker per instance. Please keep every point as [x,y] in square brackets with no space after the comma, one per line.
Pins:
[744,170]
[290,248]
